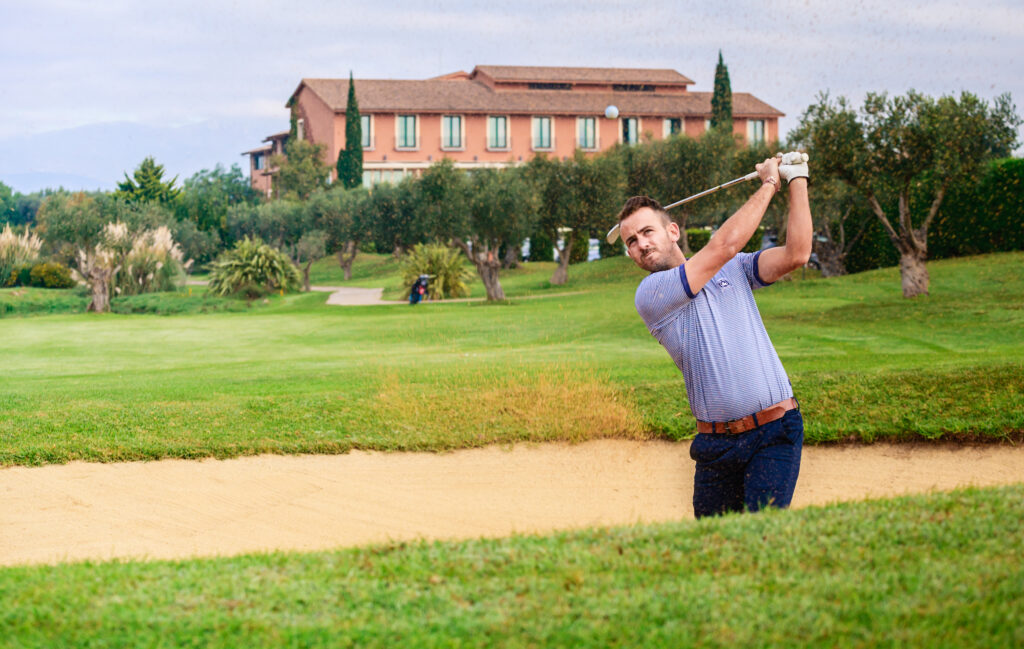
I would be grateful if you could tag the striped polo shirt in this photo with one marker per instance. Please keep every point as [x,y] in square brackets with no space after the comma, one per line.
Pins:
[716,338]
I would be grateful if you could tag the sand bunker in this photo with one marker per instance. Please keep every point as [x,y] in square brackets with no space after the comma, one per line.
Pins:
[181,508]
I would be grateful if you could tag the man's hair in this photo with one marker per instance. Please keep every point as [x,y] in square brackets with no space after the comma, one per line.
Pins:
[639,202]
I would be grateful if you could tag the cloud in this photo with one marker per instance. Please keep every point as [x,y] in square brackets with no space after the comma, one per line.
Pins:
[65,63]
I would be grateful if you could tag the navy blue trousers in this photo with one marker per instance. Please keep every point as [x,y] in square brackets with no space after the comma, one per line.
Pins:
[748,471]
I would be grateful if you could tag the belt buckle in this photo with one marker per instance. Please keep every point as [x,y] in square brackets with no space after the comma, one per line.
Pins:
[728,427]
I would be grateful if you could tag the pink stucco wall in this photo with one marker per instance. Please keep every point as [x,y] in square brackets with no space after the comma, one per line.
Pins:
[324,126]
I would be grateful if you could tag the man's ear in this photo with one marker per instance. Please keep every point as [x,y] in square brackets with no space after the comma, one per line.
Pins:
[673,231]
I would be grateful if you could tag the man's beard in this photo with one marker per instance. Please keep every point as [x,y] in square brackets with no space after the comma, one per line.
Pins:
[657,265]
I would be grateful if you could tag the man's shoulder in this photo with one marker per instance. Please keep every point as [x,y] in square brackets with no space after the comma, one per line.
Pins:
[660,294]
[657,282]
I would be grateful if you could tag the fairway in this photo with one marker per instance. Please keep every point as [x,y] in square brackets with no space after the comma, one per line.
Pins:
[300,376]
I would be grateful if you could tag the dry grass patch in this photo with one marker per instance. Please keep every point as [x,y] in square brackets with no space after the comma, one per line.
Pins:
[478,408]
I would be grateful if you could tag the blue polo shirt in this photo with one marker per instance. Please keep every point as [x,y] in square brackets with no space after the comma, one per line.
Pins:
[716,338]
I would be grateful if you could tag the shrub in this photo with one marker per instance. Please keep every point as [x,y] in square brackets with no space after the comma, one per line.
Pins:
[152,264]
[445,266]
[17,250]
[541,247]
[580,252]
[253,269]
[51,275]
[983,216]
[20,276]
[699,237]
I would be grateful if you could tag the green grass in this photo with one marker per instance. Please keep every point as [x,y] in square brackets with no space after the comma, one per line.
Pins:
[187,300]
[941,570]
[296,375]
[30,301]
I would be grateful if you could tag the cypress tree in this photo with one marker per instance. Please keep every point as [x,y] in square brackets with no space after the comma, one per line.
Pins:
[147,184]
[721,99]
[350,159]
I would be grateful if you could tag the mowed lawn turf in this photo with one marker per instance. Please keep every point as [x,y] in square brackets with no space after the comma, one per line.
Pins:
[941,570]
[555,363]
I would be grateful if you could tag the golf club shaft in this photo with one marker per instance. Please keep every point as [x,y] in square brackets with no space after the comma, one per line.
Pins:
[750,176]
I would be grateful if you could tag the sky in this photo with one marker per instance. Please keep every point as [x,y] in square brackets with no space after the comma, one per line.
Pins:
[68,63]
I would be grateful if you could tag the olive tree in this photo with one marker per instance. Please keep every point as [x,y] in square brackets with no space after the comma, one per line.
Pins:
[502,213]
[903,154]
[578,197]
[343,215]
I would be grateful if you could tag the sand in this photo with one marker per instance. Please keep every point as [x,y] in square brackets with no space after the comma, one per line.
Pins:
[184,508]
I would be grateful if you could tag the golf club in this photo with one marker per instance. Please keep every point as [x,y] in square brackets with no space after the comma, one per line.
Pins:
[613,234]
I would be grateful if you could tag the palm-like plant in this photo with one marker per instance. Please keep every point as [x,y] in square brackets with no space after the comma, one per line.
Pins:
[445,266]
[253,269]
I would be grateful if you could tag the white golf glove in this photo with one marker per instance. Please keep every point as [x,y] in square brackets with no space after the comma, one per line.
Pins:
[793,165]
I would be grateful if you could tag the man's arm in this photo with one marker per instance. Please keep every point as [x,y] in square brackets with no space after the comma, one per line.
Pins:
[776,262]
[735,232]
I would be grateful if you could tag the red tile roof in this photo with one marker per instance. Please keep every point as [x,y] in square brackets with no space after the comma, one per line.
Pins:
[525,73]
[462,96]
[266,148]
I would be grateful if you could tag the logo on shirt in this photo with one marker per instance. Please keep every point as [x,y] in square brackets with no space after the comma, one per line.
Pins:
[723,283]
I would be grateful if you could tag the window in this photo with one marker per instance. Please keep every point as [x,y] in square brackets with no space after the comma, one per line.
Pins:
[366,124]
[497,132]
[755,131]
[406,136]
[673,126]
[300,129]
[707,125]
[541,132]
[630,133]
[378,176]
[451,131]
[586,132]
[258,162]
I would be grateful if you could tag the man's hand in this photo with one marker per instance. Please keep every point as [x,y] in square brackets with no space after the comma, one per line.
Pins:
[768,172]
[792,165]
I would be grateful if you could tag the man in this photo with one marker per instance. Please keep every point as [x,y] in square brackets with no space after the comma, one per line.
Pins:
[702,310]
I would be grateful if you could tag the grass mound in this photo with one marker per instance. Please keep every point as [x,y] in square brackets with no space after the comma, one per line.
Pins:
[925,571]
[489,408]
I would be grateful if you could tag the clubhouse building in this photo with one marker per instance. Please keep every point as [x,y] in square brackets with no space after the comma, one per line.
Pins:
[500,115]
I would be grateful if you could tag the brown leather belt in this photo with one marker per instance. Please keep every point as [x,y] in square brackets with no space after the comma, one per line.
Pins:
[750,422]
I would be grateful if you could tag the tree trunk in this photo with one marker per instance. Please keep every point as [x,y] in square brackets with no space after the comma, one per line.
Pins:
[561,274]
[488,270]
[346,255]
[98,271]
[911,243]
[305,276]
[831,253]
[913,273]
[830,257]
[512,255]
[99,280]
[487,264]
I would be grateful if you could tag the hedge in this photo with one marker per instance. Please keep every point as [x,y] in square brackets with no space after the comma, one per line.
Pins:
[975,218]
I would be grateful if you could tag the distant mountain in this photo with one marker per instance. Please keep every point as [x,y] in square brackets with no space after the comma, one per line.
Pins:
[97,156]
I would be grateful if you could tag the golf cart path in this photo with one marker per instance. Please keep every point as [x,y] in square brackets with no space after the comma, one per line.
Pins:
[355,296]
[186,508]
[352,296]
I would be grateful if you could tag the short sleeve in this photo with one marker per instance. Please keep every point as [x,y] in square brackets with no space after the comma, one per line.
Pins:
[748,261]
[661,294]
